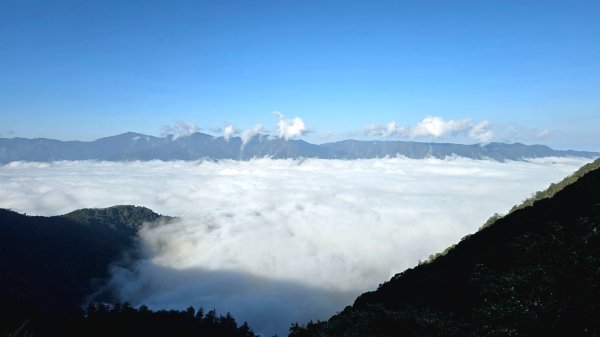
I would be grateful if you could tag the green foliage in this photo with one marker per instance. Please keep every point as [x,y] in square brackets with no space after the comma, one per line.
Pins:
[119,218]
[122,320]
[433,257]
[491,220]
[557,187]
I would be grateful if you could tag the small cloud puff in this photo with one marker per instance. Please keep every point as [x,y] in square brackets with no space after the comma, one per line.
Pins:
[179,129]
[290,129]
[437,127]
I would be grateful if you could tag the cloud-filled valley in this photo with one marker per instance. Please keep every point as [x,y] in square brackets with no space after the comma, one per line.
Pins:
[278,241]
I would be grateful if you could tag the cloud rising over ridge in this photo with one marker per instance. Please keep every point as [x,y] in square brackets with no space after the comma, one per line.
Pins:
[434,127]
[228,131]
[278,241]
[180,129]
[249,133]
[290,129]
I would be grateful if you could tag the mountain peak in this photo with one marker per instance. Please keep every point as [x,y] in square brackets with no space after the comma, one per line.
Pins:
[120,215]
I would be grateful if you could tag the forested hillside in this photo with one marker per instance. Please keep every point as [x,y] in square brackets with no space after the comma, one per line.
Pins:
[50,264]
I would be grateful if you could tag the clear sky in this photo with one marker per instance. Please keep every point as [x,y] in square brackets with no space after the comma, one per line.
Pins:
[459,71]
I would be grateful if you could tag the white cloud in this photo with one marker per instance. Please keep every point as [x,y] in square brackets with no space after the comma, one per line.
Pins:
[228,132]
[180,129]
[510,133]
[437,127]
[279,241]
[433,127]
[392,129]
[290,129]
[481,132]
[249,133]
[543,134]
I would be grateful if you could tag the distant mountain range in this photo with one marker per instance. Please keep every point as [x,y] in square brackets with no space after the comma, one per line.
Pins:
[135,146]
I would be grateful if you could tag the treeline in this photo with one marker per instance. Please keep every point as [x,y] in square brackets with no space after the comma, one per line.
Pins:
[100,320]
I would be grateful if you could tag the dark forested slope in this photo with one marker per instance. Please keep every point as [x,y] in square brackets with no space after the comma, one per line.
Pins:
[48,265]
[534,272]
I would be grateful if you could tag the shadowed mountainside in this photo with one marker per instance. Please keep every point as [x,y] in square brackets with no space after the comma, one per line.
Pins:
[66,252]
[50,264]
[135,146]
[534,272]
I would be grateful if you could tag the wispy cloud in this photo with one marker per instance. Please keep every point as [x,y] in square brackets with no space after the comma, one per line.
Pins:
[228,131]
[179,129]
[511,132]
[249,133]
[392,129]
[481,131]
[433,128]
[543,134]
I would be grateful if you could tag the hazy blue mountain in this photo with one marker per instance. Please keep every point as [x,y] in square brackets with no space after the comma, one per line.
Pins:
[135,146]
[353,149]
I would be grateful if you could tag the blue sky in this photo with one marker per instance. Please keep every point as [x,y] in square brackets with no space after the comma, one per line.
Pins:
[525,71]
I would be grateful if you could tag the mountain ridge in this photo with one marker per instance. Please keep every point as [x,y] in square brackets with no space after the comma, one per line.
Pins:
[136,146]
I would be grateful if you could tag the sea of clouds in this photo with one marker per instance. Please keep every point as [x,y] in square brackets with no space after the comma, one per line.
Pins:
[280,241]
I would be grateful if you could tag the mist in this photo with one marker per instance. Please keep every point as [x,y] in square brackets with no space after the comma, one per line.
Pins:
[279,241]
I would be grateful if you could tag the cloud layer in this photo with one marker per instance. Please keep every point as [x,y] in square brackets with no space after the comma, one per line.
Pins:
[278,241]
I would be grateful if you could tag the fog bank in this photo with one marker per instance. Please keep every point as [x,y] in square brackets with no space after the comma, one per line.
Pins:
[277,241]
